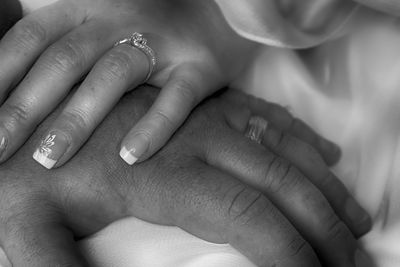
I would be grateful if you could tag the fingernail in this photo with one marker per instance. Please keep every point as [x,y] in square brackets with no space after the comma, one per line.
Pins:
[357,214]
[51,149]
[361,259]
[138,145]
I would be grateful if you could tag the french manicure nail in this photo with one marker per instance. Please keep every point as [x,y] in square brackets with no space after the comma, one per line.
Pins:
[138,145]
[51,149]
[356,213]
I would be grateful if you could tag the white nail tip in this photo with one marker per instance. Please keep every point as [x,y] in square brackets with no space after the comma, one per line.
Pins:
[127,156]
[43,160]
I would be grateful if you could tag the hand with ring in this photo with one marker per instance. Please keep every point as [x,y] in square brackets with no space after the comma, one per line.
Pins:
[184,47]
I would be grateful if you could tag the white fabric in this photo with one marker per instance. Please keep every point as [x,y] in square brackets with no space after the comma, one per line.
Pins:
[348,90]
[287,23]
[134,243]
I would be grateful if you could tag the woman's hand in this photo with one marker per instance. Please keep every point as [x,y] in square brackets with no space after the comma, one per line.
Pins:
[53,48]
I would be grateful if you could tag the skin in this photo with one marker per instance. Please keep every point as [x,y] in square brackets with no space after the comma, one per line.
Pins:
[278,209]
[53,48]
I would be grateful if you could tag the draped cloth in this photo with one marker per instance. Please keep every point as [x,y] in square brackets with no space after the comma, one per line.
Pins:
[346,88]
[288,23]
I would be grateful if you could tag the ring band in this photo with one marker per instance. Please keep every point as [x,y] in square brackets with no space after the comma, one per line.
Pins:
[138,41]
[256,128]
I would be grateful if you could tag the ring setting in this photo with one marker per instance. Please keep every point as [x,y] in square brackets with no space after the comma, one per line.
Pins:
[256,128]
[138,41]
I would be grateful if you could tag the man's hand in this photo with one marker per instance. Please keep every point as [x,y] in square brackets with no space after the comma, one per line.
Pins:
[209,180]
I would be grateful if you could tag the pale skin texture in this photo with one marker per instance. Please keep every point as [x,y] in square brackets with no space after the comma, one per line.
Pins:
[266,201]
[57,45]
[51,49]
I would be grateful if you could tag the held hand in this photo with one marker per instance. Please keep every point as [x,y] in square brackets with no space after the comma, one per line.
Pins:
[209,180]
[53,48]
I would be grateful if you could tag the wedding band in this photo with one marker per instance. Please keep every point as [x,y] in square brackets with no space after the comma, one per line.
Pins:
[256,128]
[138,41]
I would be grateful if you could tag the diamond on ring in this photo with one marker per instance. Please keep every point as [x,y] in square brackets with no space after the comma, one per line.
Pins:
[138,41]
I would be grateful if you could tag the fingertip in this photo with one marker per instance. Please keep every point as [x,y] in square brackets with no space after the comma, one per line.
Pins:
[127,156]
[52,150]
[361,220]
[237,118]
[43,160]
[135,148]
[330,151]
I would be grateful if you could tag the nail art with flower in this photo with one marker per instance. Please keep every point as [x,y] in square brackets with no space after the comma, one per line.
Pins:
[46,144]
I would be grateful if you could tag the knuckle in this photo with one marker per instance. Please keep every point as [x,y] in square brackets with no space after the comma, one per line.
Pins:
[330,182]
[332,227]
[67,55]
[296,246]
[118,63]
[75,122]
[329,223]
[17,114]
[311,152]
[28,33]
[335,228]
[280,142]
[164,119]
[187,91]
[300,251]
[280,176]
[303,131]
[245,204]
